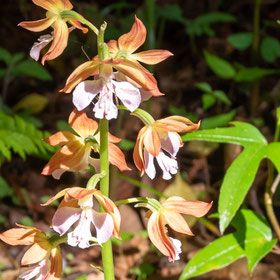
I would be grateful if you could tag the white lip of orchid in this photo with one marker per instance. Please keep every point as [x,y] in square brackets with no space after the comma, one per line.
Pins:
[86,202]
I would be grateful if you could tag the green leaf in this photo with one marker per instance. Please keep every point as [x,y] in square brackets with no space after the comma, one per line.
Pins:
[241,40]
[241,133]
[26,221]
[218,121]
[5,56]
[142,271]
[3,72]
[270,49]
[5,189]
[32,69]
[252,239]
[218,254]
[220,66]
[22,138]
[237,182]
[208,100]
[250,74]
[182,112]
[17,57]
[171,12]
[126,145]
[64,126]
[214,17]
[204,87]
[257,236]
[241,173]
[220,95]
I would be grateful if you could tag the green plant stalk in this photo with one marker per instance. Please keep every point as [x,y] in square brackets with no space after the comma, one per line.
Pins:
[255,92]
[268,195]
[106,251]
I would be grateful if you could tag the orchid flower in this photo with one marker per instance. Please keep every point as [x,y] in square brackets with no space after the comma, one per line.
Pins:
[107,89]
[128,43]
[75,153]
[77,206]
[44,257]
[124,61]
[55,19]
[41,43]
[169,214]
[160,140]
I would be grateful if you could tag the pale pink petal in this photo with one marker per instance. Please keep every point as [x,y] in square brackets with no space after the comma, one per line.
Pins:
[57,173]
[38,46]
[104,226]
[149,164]
[85,92]
[95,162]
[105,107]
[146,95]
[168,165]
[171,143]
[41,269]
[177,246]
[64,218]
[128,94]
[82,234]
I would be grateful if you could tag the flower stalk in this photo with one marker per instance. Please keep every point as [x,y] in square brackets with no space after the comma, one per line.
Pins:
[107,252]
[269,192]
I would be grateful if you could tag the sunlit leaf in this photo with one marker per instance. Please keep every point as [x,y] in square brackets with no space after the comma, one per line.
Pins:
[252,239]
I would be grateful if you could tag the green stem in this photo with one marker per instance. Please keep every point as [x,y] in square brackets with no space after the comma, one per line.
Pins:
[107,253]
[140,185]
[150,42]
[255,92]
[268,195]
[142,201]
[70,15]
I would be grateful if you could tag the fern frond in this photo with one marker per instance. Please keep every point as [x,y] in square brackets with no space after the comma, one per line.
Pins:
[22,138]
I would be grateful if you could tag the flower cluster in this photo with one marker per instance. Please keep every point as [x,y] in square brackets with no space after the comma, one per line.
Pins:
[114,75]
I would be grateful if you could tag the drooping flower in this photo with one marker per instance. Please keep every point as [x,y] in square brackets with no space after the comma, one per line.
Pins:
[75,153]
[77,206]
[43,259]
[160,140]
[169,214]
[55,19]
[108,89]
